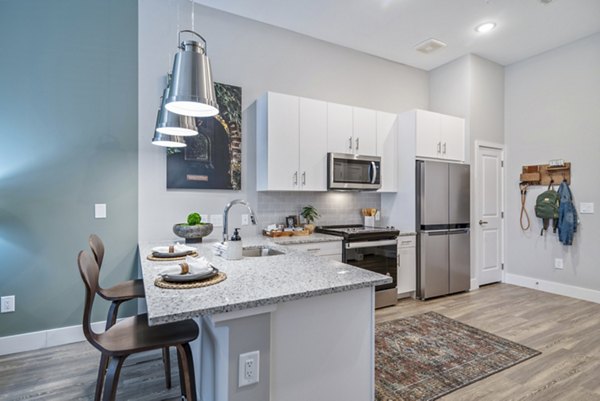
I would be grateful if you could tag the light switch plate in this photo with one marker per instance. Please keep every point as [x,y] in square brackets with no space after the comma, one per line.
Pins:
[100,210]
[216,220]
[586,207]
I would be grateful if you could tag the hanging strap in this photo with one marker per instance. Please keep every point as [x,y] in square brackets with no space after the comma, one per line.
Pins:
[525,224]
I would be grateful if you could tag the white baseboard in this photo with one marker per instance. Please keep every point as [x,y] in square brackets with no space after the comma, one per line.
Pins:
[572,291]
[474,284]
[45,338]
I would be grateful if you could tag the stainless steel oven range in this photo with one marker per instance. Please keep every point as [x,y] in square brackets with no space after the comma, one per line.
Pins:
[371,248]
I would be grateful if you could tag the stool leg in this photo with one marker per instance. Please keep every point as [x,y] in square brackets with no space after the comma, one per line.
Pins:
[186,371]
[112,378]
[167,363]
[111,319]
[101,374]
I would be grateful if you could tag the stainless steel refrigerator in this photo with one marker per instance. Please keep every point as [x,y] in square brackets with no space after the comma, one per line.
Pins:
[443,235]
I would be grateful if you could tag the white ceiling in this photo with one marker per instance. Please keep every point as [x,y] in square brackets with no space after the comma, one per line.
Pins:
[391,28]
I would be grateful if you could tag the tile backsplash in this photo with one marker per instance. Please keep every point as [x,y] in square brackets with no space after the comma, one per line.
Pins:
[334,207]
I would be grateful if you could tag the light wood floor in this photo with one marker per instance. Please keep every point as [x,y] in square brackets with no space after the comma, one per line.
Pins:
[567,331]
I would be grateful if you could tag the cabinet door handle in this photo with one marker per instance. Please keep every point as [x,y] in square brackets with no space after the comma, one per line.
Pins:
[357,143]
[304,178]
[296,178]
[313,249]
[350,143]
[439,147]
[444,148]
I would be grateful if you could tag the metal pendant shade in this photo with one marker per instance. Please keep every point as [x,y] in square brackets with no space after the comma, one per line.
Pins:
[166,140]
[174,124]
[192,91]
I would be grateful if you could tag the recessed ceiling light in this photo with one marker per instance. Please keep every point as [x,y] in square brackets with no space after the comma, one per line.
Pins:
[485,27]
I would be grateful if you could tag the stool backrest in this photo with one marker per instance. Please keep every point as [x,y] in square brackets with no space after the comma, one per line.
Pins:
[89,273]
[97,247]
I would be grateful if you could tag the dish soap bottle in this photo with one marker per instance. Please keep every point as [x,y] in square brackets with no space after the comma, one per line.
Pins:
[234,247]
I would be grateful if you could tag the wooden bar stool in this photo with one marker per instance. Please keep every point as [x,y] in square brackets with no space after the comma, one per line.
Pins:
[122,292]
[132,335]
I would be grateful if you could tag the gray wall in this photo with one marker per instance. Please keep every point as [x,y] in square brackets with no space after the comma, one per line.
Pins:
[552,104]
[259,58]
[69,139]
[473,88]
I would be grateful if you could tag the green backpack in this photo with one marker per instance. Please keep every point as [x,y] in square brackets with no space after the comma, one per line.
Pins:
[546,208]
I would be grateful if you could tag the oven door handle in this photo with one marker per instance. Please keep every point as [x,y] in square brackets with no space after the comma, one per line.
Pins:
[370,244]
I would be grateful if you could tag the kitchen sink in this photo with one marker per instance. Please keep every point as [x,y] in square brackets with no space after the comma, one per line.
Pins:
[259,251]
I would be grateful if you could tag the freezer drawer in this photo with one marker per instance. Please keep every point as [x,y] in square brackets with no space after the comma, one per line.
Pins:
[460,260]
[433,264]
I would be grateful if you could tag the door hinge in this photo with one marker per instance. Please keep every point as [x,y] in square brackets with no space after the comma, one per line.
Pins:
[502,266]
[501,215]
[501,163]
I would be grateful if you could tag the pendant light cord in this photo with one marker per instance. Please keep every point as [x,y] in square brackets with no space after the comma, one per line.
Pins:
[524,226]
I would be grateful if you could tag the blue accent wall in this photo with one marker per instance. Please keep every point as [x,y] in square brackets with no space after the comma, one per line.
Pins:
[68,140]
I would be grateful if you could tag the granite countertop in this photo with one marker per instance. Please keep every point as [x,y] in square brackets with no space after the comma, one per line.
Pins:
[251,282]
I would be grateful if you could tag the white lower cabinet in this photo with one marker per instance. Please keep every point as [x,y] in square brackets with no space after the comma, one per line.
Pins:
[330,250]
[407,265]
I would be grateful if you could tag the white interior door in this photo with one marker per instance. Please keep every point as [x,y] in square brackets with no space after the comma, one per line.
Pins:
[489,198]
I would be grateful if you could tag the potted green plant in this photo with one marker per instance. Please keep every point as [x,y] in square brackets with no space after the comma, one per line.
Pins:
[194,230]
[310,214]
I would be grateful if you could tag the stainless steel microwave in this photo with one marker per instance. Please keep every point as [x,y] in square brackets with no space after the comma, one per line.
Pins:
[353,172]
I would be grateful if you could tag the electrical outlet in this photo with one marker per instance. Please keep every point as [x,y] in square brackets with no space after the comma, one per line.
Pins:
[204,218]
[558,263]
[7,304]
[248,368]
[245,219]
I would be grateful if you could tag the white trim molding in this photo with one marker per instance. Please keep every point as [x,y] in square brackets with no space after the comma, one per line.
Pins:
[45,338]
[553,287]
[474,284]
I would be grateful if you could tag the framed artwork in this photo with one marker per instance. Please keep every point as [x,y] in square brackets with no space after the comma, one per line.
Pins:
[213,158]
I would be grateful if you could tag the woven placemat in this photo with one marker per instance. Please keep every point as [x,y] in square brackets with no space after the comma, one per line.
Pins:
[159,282]
[154,259]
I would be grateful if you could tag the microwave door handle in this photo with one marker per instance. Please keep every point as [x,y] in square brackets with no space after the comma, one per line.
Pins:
[373,172]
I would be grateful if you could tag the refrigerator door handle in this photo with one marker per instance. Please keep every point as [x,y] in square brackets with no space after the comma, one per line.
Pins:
[459,231]
[436,232]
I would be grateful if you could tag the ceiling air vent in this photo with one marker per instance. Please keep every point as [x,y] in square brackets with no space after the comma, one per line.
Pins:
[429,46]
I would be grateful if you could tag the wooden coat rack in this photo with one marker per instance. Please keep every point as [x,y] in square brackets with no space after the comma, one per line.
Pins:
[544,174]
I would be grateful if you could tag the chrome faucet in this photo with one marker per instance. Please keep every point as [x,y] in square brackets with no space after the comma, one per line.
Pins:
[226,214]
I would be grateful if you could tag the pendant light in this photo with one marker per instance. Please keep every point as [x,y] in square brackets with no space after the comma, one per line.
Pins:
[174,124]
[164,138]
[192,91]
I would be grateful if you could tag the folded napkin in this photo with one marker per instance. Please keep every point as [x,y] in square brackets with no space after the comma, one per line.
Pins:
[195,266]
[177,248]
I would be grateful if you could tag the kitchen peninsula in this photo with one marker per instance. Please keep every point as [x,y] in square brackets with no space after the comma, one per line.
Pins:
[311,319]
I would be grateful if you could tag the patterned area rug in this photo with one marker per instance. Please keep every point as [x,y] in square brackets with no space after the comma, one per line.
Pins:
[427,356]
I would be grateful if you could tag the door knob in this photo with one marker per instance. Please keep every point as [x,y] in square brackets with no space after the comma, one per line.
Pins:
[481,222]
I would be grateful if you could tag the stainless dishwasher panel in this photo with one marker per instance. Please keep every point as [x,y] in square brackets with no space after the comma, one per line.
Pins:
[433,267]
[460,260]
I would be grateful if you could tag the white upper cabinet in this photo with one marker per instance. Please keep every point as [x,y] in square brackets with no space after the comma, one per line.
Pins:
[313,145]
[387,149]
[351,129]
[339,128]
[439,136]
[452,134]
[364,134]
[291,145]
